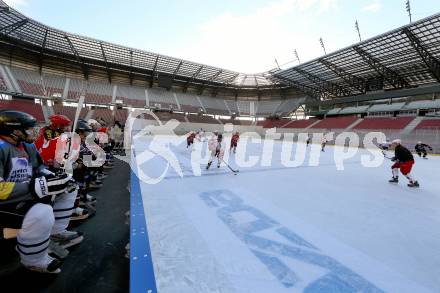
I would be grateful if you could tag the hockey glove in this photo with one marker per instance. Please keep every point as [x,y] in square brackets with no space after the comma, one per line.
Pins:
[50,185]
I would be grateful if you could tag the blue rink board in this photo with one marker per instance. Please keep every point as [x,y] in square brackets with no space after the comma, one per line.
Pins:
[141,264]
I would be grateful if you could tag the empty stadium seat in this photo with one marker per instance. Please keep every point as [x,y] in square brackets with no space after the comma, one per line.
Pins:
[269,123]
[429,124]
[202,119]
[26,106]
[3,86]
[384,123]
[335,122]
[68,111]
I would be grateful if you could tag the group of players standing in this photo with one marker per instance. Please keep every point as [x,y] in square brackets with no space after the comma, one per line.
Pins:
[216,145]
[37,196]
[403,158]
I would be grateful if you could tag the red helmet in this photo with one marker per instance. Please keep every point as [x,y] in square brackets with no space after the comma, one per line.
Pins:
[60,120]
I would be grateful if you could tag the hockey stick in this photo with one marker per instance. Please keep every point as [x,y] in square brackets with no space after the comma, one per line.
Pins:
[78,112]
[386,156]
[230,168]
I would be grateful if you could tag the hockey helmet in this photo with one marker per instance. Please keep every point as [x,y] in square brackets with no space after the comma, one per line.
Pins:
[11,120]
[60,120]
[82,126]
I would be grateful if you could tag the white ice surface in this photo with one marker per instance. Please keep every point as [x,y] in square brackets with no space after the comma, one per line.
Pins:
[389,235]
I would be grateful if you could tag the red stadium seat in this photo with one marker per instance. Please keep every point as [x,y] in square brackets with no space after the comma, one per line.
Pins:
[26,106]
[429,124]
[335,122]
[384,123]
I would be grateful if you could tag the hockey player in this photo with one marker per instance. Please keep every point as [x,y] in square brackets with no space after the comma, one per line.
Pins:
[190,139]
[421,149]
[33,199]
[323,143]
[309,139]
[403,161]
[234,141]
[46,143]
[385,146]
[217,150]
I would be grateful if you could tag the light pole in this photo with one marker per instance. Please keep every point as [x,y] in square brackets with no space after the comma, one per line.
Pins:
[297,57]
[356,25]
[276,62]
[322,45]
[408,9]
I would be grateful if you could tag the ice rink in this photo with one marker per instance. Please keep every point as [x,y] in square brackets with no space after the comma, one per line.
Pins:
[273,228]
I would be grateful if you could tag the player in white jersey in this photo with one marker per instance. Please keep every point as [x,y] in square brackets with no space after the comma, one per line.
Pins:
[217,149]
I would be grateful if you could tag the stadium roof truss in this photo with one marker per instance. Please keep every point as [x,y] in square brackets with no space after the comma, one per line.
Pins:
[404,58]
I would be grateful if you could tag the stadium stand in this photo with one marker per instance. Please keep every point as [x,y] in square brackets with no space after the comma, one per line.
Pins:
[76,87]
[29,81]
[334,111]
[271,123]
[3,86]
[288,106]
[429,124]
[214,106]
[386,107]
[161,98]
[300,124]
[131,95]
[244,107]
[232,106]
[29,107]
[354,110]
[433,104]
[121,115]
[202,119]
[267,108]
[98,93]
[110,116]
[384,123]
[188,103]
[166,116]
[69,111]
[335,122]
[104,114]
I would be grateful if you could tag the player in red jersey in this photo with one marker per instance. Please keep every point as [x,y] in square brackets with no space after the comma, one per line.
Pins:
[234,141]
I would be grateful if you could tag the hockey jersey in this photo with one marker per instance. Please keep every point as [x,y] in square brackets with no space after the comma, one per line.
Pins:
[17,166]
[402,154]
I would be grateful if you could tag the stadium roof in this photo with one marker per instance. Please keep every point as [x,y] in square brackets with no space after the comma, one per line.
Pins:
[404,58]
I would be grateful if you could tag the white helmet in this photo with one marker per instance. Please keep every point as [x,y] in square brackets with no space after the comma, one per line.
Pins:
[396,141]
[419,142]
[92,121]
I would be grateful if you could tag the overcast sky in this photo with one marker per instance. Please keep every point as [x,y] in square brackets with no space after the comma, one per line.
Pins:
[240,35]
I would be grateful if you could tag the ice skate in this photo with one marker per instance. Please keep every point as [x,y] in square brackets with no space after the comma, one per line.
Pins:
[394,180]
[67,239]
[57,250]
[52,267]
[413,184]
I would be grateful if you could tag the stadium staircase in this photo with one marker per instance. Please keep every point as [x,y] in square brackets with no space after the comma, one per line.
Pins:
[313,124]
[412,125]
[5,78]
[9,79]
[354,124]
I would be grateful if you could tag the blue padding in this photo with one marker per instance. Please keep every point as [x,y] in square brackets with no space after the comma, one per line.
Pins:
[141,264]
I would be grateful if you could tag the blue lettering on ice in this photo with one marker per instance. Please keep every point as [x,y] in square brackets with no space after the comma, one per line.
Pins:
[338,277]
